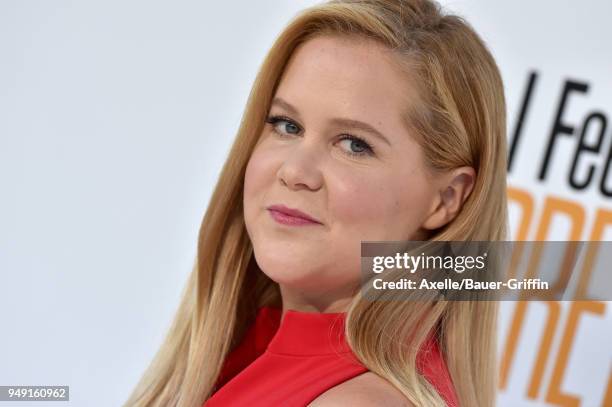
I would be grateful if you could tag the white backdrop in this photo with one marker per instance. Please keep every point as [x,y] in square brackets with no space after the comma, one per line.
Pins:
[115,120]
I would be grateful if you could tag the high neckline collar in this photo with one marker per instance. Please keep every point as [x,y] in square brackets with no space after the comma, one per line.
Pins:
[301,333]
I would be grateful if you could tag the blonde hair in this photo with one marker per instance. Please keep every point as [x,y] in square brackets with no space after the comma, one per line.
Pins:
[459,120]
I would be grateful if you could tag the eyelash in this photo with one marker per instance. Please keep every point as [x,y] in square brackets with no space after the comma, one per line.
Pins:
[369,150]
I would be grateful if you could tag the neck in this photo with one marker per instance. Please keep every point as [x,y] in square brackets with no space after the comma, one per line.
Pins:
[299,300]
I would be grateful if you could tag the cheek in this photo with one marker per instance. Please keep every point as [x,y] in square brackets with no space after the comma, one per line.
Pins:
[388,207]
[259,172]
[355,199]
[257,177]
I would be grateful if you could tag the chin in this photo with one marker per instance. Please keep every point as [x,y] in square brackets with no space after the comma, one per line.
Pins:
[286,275]
[281,271]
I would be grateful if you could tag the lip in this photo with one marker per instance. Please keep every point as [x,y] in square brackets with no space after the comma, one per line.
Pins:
[291,216]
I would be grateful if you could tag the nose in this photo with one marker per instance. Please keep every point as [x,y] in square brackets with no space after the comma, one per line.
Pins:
[301,169]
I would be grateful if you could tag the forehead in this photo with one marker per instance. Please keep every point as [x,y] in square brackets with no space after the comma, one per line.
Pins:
[349,77]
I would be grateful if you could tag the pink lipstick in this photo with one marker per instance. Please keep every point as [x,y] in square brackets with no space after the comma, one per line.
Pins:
[290,216]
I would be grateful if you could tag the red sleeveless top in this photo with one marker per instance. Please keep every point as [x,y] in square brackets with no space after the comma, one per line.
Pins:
[291,362]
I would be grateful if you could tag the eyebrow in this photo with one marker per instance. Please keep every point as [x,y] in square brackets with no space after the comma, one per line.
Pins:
[338,121]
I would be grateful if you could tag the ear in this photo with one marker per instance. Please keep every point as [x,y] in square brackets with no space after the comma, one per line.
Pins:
[454,189]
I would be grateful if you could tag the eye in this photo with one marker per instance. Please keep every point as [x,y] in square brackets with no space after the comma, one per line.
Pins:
[363,148]
[289,127]
[279,121]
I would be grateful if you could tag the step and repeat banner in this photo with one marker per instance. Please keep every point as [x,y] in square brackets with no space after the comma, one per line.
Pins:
[560,188]
[557,69]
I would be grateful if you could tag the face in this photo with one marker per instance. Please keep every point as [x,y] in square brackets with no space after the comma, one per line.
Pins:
[335,147]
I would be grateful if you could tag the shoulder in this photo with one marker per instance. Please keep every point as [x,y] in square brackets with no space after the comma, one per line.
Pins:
[366,390]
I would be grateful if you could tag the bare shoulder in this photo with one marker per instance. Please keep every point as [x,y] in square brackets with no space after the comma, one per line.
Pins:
[366,390]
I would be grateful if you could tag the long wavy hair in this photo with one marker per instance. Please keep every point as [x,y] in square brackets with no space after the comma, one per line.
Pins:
[459,121]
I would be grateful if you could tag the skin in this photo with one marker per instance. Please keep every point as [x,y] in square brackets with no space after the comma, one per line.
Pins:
[306,164]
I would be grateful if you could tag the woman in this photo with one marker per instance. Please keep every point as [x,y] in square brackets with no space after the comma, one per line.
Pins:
[376,120]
